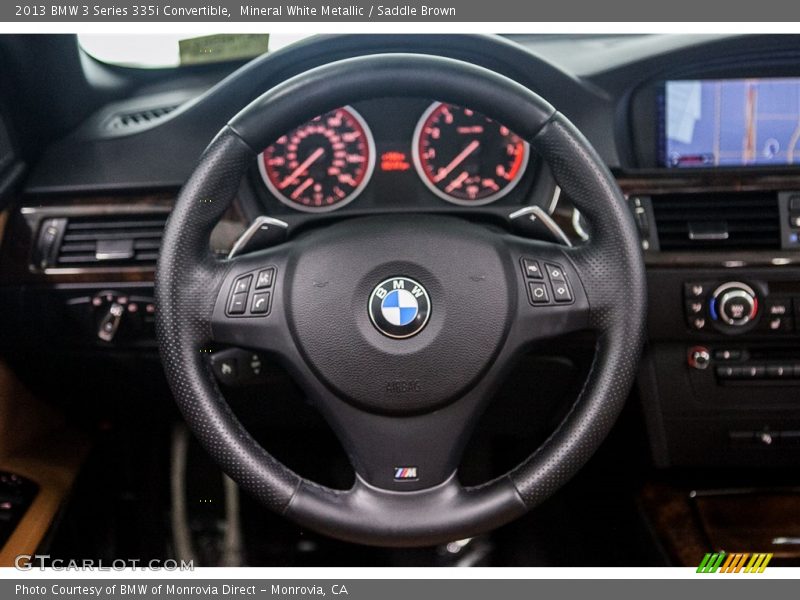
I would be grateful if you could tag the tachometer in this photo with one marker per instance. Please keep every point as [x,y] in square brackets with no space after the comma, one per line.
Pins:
[323,164]
[465,157]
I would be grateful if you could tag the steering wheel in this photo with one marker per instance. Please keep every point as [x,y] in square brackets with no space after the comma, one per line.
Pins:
[402,390]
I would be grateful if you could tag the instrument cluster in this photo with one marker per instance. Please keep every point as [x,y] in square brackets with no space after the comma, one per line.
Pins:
[398,149]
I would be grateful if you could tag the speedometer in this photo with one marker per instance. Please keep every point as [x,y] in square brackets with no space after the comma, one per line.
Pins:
[465,157]
[321,165]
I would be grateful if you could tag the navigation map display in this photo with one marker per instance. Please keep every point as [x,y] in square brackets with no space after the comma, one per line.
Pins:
[731,122]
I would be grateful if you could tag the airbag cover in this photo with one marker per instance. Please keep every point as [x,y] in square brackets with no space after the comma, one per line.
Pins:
[468,275]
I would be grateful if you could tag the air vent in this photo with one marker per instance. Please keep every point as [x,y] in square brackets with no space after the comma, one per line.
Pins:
[89,241]
[724,221]
[138,118]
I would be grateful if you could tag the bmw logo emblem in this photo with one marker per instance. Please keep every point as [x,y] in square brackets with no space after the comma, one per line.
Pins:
[399,307]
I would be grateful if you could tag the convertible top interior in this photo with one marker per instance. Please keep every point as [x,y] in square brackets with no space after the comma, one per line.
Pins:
[468,300]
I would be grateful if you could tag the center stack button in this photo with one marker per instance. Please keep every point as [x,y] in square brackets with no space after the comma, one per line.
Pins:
[734,304]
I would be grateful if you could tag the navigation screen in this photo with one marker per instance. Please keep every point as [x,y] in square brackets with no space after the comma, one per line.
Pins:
[731,122]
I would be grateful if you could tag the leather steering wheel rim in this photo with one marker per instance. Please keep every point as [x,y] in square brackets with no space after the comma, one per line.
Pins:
[607,278]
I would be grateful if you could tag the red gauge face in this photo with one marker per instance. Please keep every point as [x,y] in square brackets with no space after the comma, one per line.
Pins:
[321,165]
[465,157]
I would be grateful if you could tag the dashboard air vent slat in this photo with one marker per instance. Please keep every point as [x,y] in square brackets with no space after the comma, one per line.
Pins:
[138,118]
[117,240]
[724,221]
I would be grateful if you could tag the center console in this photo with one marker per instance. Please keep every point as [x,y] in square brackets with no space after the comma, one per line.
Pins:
[720,379]
[714,185]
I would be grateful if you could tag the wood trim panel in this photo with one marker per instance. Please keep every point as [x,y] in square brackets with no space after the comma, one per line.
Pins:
[751,520]
[36,443]
[675,523]
[3,220]
[665,182]
[689,523]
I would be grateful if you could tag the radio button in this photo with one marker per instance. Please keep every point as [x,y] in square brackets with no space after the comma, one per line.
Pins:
[780,371]
[728,354]
[754,371]
[726,372]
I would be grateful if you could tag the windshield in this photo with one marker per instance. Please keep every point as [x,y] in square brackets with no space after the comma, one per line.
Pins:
[174,50]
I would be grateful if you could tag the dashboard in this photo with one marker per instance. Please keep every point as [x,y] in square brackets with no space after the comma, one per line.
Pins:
[394,152]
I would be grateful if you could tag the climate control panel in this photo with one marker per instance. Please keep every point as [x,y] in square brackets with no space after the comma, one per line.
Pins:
[734,304]
[736,307]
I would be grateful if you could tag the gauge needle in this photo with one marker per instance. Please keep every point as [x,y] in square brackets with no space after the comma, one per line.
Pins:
[313,157]
[471,147]
[457,182]
[301,188]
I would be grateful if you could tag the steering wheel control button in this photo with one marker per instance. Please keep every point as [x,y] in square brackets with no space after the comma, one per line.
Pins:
[227,370]
[236,367]
[265,279]
[538,293]
[243,302]
[238,303]
[242,284]
[531,268]
[399,307]
[555,273]
[260,304]
[555,289]
[561,292]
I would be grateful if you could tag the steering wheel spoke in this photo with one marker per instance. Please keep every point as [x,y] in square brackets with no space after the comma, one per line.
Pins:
[412,518]
[400,453]
[552,299]
[248,308]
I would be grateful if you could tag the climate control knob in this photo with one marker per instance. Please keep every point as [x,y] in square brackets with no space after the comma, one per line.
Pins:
[734,304]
